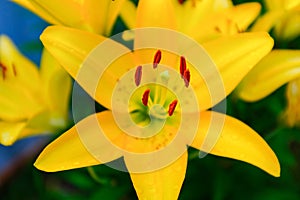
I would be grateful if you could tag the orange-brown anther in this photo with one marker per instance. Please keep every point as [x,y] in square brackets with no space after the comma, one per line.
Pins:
[157,58]
[182,65]
[187,77]
[14,70]
[138,75]
[172,107]
[146,97]
[4,68]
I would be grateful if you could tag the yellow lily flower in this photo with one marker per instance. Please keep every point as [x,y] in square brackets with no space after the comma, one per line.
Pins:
[32,101]
[91,15]
[201,20]
[283,16]
[278,68]
[106,136]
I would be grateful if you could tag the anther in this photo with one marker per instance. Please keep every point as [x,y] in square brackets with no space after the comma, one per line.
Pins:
[182,65]
[157,58]
[138,75]
[14,69]
[4,68]
[146,97]
[187,77]
[172,107]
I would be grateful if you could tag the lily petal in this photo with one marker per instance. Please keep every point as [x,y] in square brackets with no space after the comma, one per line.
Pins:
[71,47]
[267,21]
[91,15]
[16,103]
[155,13]
[128,14]
[237,141]
[161,184]
[73,149]
[19,68]
[234,57]
[288,28]
[273,71]
[57,83]
[225,22]
[39,10]
[10,131]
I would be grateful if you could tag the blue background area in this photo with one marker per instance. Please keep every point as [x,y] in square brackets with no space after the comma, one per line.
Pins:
[24,29]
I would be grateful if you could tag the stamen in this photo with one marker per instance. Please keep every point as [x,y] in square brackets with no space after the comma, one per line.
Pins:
[187,77]
[172,107]
[14,69]
[138,75]
[4,68]
[157,58]
[182,65]
[146,97]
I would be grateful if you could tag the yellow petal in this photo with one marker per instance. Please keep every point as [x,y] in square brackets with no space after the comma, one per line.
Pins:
[78,147]
[281,4]
[10,131]
[236,140]
[92,15]
[128,14]
[226,22]
[273,71]
[234,57]
[113,10]
[57,83]
[16,103]
[38,10]
[161,184]
[288,28]
[73,50]
[155,13]
[267,21]
[19,68]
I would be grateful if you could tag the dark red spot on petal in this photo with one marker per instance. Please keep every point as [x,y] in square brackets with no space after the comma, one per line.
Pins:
[187,77]
[4,69]
[182,65]
[146,97]
[181,1]
[172,107]
[138,75]
[157,58]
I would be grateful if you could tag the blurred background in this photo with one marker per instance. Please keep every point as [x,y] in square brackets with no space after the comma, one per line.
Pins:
[208,178]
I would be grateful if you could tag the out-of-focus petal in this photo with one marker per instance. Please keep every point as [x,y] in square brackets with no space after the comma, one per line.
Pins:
[155,13]
[9,132]
[128,14]
[273,71]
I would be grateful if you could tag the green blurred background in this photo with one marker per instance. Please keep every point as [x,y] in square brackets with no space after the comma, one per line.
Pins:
[208,178]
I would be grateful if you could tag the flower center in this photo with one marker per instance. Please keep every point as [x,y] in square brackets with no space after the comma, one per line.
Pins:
[155,101]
